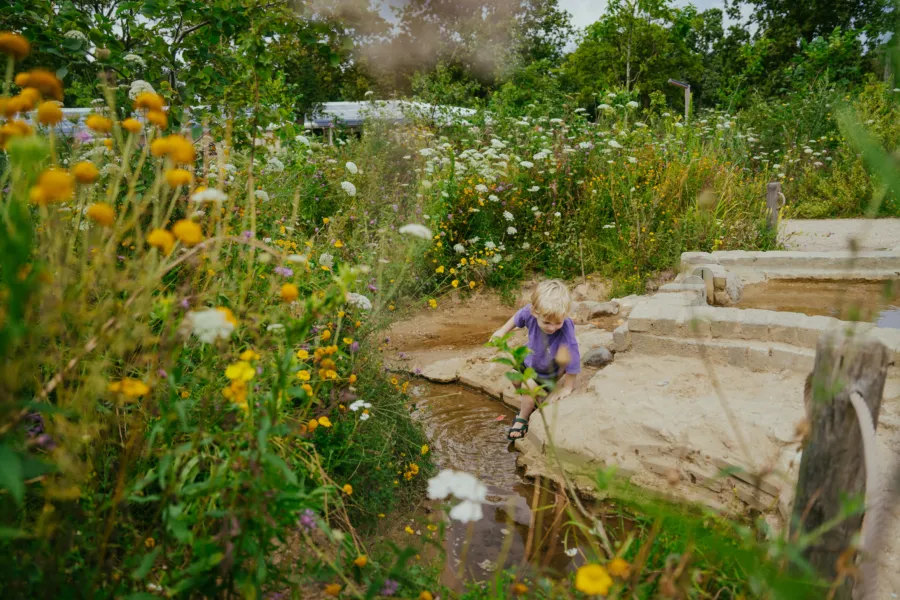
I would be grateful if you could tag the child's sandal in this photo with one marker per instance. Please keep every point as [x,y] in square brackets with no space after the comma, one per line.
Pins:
[521,431]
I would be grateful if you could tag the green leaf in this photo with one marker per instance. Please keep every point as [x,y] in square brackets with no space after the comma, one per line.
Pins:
[11,473]
[514,376]
[146,564]
[62,72]
[278,462]
[10,533]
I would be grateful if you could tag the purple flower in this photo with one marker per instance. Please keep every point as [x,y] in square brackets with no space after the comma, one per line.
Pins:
[390,587]
[185,303]
[372,288]
[354,347]
[396,208]
[162,373]
[285,271]
[259,370]
[247,234]
[308,519]
[83,136]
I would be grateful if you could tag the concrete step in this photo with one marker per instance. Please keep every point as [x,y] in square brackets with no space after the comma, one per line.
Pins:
[756,356]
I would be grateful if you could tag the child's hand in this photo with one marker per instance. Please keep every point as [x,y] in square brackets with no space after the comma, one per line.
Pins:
[496,335]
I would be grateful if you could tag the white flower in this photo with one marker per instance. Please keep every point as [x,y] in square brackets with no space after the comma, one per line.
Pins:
[631,159]
[610,95]
[526,164]
[74,34]
[297,258]
[556,214]
[490,245]
[511,231]
[209,195]
[571,552]
[349,188]
[459,249]
[364,417]
[508,215]
[303,140]
[426,184]
[135,60]
[585,145]
[209,325]
[493,198]
[526,246]
[274,166]
[632,104]
[426,151]
[481,188]
[326,260]
[459,484]
[614,144]
[138,87]
[467,512]
[534,188]
[359,404]
[275,327]
[609,226]
[605,107]
[352,168]
[665,114]
[416,230]
[359,301]
[261,195]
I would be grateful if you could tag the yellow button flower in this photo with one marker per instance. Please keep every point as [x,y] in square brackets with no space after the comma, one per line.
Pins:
[133,388]
[162,239]
[348,489]
[176,177]
[302,354]
[149,101]
[249,355]
[132,126]
[619,567]
[102,214]
[188,232]
[312,425]
[99,123]
[241,371]
[593,580]
[303,375]
[455,283]
[158,118]
[14,45]
[49,113]
[55,185]
[289,292]
[85,172]
[333,590]
[361,561]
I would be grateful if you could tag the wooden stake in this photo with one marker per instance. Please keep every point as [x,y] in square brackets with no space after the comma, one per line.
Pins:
[773,203]
[833,466]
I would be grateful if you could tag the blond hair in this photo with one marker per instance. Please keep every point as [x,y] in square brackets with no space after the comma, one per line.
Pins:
[551,300]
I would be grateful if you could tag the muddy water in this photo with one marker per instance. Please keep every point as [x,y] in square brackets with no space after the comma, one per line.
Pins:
[852,301]
[467,432]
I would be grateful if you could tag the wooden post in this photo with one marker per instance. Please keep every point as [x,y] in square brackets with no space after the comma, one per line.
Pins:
[687,103]
[773,203]
[833,466]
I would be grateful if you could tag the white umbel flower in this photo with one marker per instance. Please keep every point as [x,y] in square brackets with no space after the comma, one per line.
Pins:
[416,230]
[138,87]
[210,325]
[459,249]
[349,188]
[352,168]
[74,34]
[135,60]
[359,404]
[359,301]
[209,195]
[261,195]
[511,231]
[508,215]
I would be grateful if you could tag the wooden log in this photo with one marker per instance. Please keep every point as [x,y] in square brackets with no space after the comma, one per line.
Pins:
[832,467]
[773,203]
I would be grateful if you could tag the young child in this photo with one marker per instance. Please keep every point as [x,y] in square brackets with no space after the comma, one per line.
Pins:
[554,351]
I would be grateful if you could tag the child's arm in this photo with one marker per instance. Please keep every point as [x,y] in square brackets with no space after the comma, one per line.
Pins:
[509,326]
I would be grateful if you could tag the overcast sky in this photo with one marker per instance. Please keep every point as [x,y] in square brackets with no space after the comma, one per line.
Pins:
[585,12]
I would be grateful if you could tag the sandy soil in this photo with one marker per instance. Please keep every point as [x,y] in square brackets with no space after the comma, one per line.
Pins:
[825,235]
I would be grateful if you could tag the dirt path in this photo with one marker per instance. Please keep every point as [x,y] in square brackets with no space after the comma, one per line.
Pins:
[825,235]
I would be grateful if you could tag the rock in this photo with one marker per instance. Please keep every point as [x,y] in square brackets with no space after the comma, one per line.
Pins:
[587,310]
[621,338]
[627,303]
[443,371]
[598,357]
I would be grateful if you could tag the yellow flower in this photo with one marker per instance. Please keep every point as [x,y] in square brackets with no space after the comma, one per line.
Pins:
[158,118]
[352,378]
[348,489]
[339,244]
[188,232]
[440,269]
[178,148]
[312,425]
[249,355]
[176,177]
[133,388]
[409,530]
[424,449]
[55,185]
[425,595]
[185,394]
[325,422]
[108,143]
[99,123]
[162,239]
[289,292]
[361,561]
[102,214]
[333,590]
[519,588]
[302,354]
[47,83]
[303,375]
[348,340]
[593,580]
[85,172]
[132,126]
[241,370]
[49,113]
[13,129]
[619,567]
[326,220]
[414,468]
[326,335]
[14,45]
[150,542]
[149,101]
[455,283]
[472,285]
[432,303]
[308,389]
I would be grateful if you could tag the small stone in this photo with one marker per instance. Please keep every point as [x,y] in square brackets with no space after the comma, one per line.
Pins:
[598,357]
[663,383]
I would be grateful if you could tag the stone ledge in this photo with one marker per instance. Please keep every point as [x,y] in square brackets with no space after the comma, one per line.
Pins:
[755,356]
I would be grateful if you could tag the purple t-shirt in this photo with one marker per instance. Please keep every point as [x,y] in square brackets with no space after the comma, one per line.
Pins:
[544,347]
